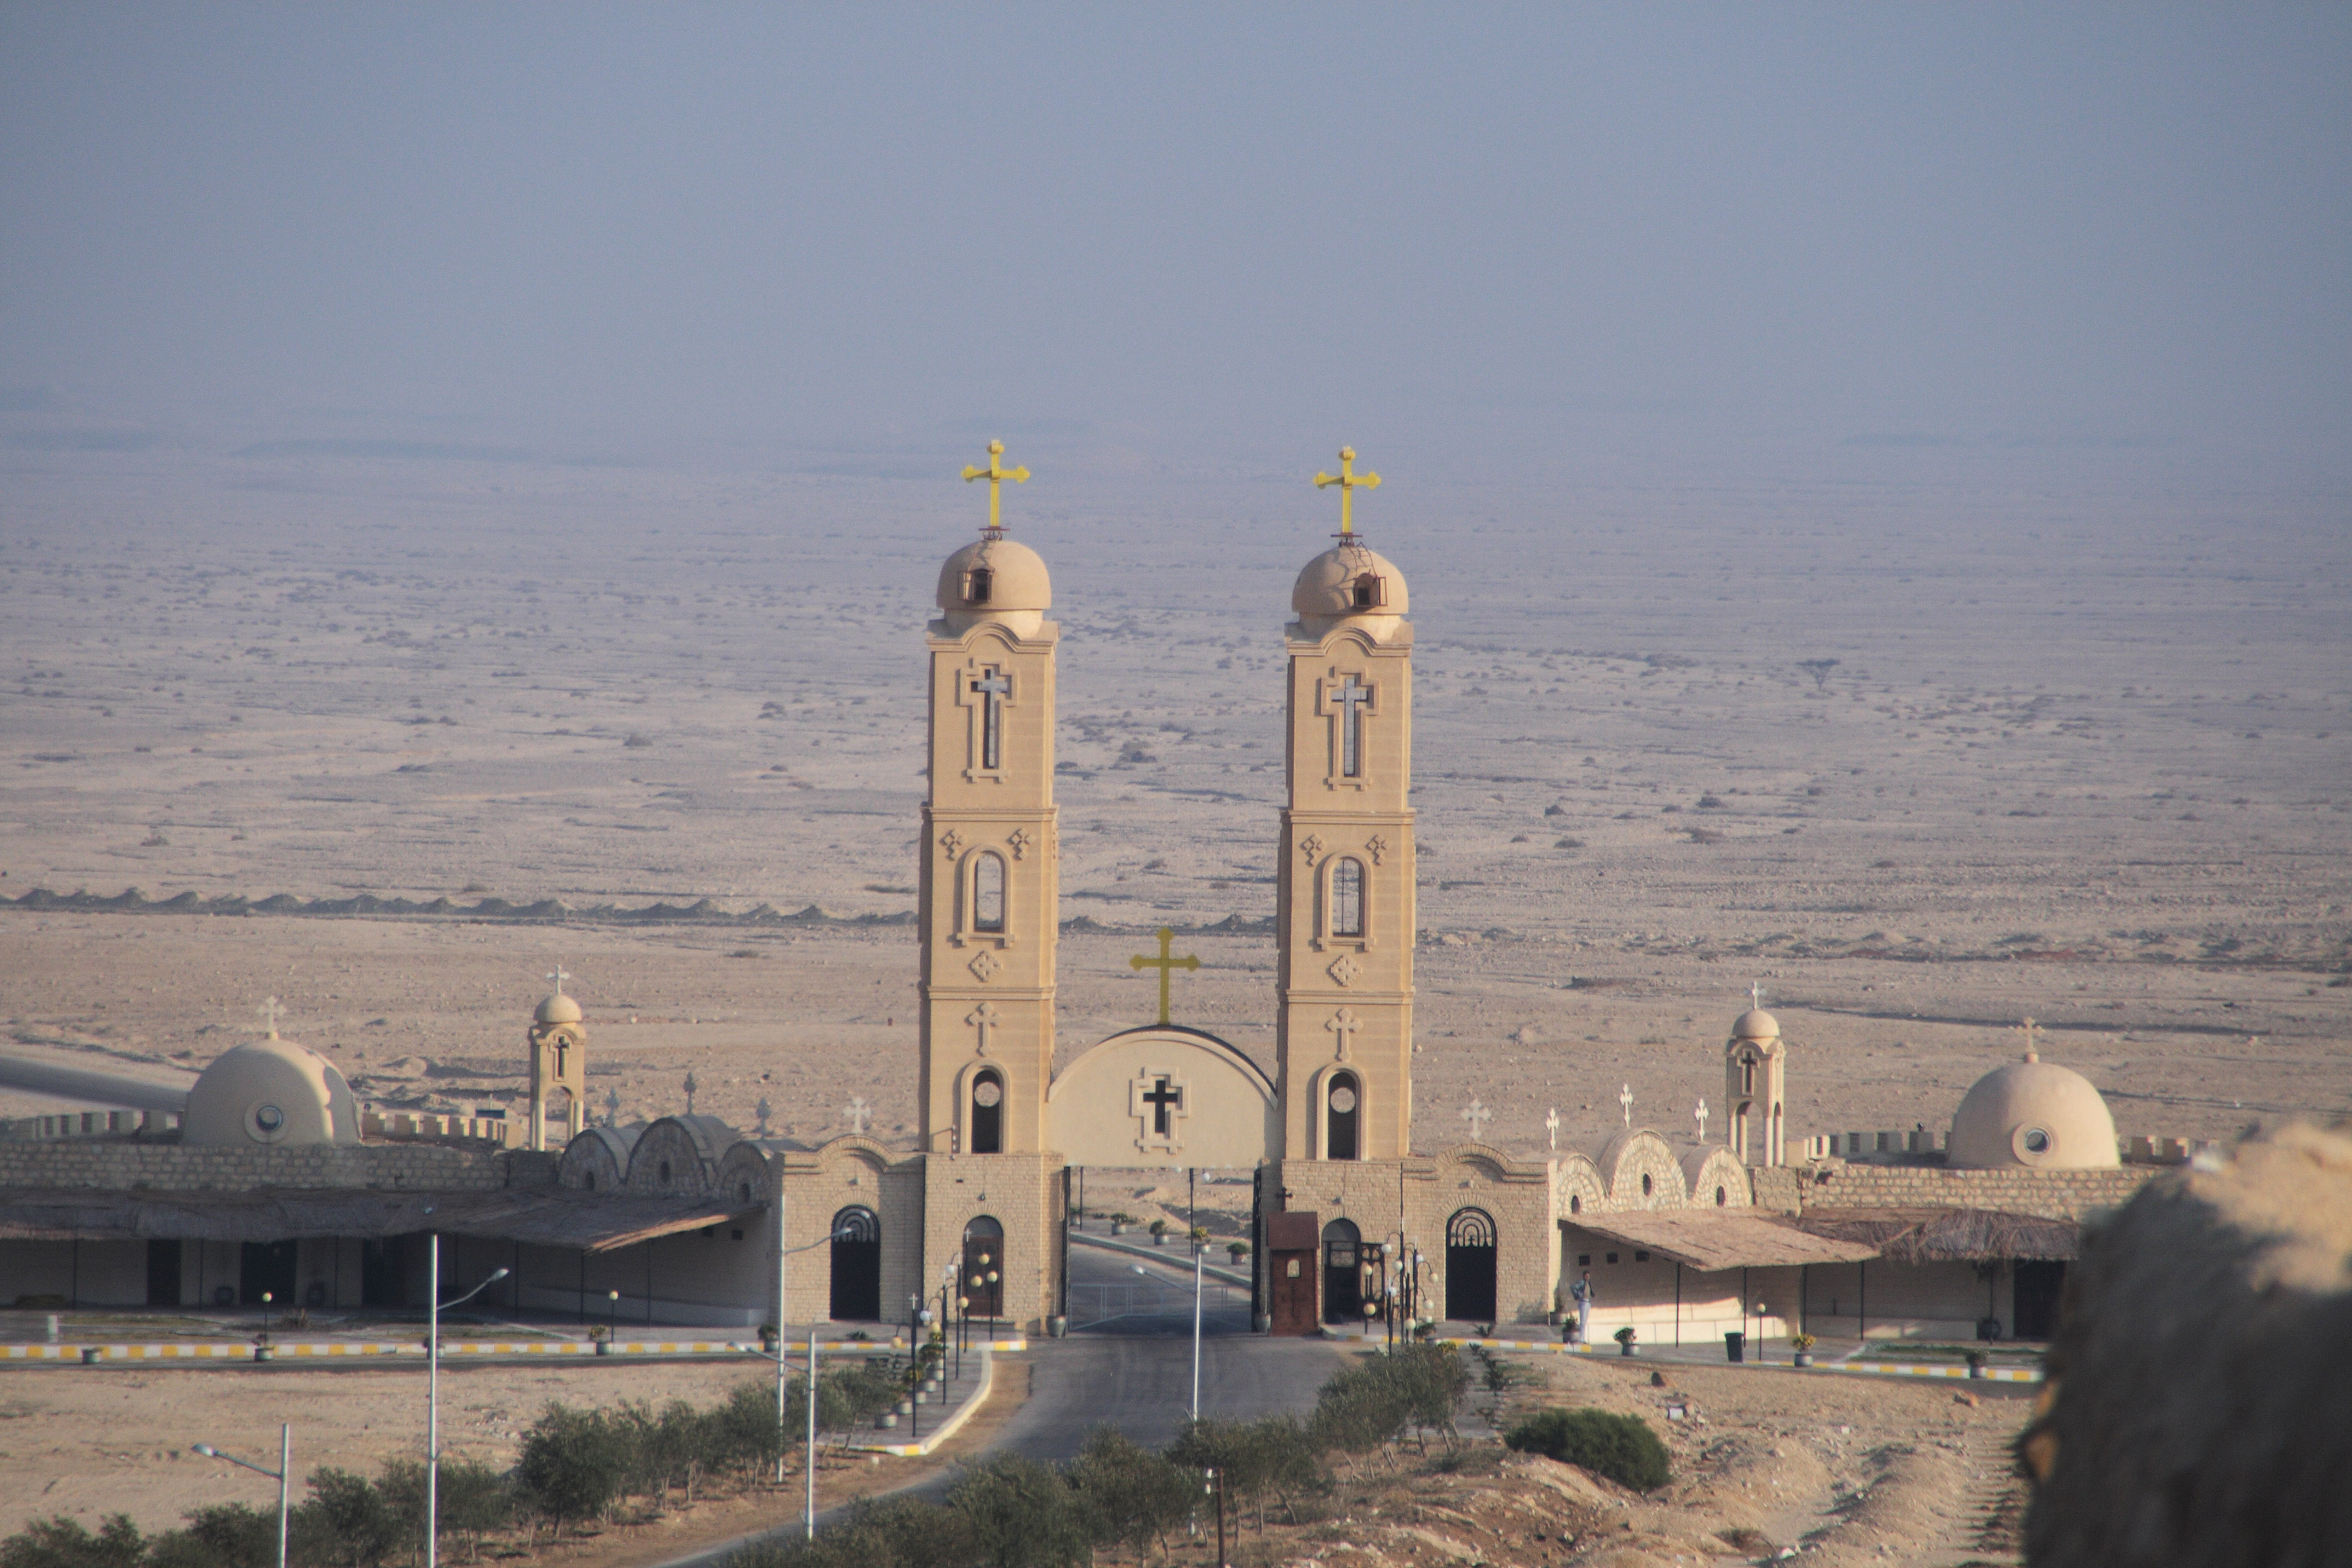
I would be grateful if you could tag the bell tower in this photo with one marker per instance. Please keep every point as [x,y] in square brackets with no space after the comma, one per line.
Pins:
[559,1069]
[1346,918]
[1755,1083]
[991,882]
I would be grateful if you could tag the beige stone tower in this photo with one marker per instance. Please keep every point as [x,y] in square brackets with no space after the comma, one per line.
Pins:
[991,865]
[559,1071]
[1346,920]
[1754,1084]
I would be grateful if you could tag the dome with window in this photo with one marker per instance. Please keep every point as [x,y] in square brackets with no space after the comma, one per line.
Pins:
[994,575]
[1349,581]
[270,1093]
[2035,1114]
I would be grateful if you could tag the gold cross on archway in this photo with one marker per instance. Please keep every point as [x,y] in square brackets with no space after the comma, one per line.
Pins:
[995,474]
[1165,964]
[1350,481]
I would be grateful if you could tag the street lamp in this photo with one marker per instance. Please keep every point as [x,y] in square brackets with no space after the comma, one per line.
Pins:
[284,1469]
[1138,1268]
[783,1334]
[433,1395]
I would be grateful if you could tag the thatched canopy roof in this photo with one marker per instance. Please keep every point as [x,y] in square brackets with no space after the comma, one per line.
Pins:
[549,1216]
[1716,1239]
[1948,1235]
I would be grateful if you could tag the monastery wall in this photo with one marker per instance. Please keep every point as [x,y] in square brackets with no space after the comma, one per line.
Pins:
[1023,1192]
[2049,1194]
[175,1168]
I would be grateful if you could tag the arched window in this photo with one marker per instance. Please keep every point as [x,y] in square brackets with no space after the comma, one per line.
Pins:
[988,891]
[1645,1184]
[1370,592]
[1343,1112]
[1348,898]
[1470,1267]
[988,1112]
[1343,1281]
[983,1268]
[1720,1196]
[1576,1202]
[982,582]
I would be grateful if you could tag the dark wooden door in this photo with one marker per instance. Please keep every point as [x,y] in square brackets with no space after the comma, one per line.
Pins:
[1293,1292]
[163,1273]
[266,1266]
[2039,1285]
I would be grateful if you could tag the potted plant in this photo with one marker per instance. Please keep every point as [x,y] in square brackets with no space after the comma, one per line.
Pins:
[1238,1250]
[1119,1222]
[1624,1338]
[1159,1233]
[263,1348]
[1199,1236]
[1426,1330]
[1976,1363]
[1803,1344]
[602,1337]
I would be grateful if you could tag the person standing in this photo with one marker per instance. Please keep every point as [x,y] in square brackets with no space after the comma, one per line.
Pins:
[1582,1291]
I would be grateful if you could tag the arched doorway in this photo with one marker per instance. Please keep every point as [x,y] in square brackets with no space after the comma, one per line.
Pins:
[856,1266]
[1470,1267]
[983,1268]
[1343,1296]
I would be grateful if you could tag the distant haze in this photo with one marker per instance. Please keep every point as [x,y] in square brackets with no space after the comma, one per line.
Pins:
[1486,245]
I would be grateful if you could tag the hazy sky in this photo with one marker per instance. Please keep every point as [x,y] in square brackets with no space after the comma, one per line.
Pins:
[1506,238]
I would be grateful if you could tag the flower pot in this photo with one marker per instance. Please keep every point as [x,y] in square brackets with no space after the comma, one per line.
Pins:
[604,1347]
[1804,1358]
[1058,1327]
[1159,1238]
[264,1353]
[886,1419]
[1625,1349]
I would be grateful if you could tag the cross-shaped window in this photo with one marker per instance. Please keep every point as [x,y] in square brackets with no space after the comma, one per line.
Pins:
[1160,1097]
[1353,699]
[991,688]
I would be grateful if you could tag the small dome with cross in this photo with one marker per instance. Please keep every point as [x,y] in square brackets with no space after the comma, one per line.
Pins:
[1756,1025]
[1350,580]
[558,1009]
[995,576]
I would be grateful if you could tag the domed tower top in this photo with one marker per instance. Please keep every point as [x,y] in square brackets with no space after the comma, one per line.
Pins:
[1349,583]
[2035,1114]
[996,578]
[1756,1025]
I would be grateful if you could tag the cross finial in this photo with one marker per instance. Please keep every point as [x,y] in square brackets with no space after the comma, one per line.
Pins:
[1165,964]
[858,1112]
[1756,994]
[611,1107]
[2032,1052]
[270,1013]
[1476,1114]
[1700,1115]
[1551,1125]
[764,1114]
[560,976]
[995,474]
[1625,1098]
[1350,481]
[690,1087]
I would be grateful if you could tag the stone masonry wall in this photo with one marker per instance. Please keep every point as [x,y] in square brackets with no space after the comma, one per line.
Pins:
[2049,1194]
[178,1168]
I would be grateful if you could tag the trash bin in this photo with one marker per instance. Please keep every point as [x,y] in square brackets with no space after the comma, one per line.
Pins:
[1735,1347]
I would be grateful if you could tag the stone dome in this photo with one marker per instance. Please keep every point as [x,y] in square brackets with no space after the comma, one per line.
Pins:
[1756,1025]
[270,1093]
[558,1009]
[2033,1114]
[1349,579]
[994,575]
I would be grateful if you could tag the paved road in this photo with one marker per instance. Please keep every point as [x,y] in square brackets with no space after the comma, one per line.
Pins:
[1130,1366]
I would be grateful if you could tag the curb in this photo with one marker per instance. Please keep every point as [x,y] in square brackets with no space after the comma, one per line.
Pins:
[346,1351]
[1871,1368]
[946,1428]
[1161,1255]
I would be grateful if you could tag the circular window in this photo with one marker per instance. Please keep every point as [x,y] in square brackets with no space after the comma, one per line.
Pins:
[1646,1186]
[264,1121]
[988,1092]
[2033,1143]
[1343,1099]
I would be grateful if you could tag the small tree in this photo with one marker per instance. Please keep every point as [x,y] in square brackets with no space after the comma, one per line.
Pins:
[1132,1497]
[1622,1448]
[1022,1515]
[62,1542]
[1819,668]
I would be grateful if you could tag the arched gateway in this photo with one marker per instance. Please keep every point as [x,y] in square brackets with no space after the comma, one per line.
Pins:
[1164,1095]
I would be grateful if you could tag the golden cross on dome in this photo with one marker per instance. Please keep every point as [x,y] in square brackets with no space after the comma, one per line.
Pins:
[1165,964]
[1348,481]
[995,474]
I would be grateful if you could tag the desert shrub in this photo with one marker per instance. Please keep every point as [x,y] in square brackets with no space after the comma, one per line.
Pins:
[1622,1448]
[1271,1456]
[572,1463]
[62,1542]
[900,1533]
[228,1535]
[1129,1495]
[475,1500]
[1420,1387]
[1024,1515]
[348,1523]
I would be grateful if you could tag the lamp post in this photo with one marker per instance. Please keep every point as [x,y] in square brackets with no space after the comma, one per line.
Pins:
[1212,1481]
[285,1469]
[784,1337]
[433,1396]
[611,1315]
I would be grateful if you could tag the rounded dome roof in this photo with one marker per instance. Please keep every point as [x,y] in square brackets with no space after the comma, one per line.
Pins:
[1016,578]
[2035,1114]
[558,1009]
[269,1092]
[1349,579]
[1756,1025]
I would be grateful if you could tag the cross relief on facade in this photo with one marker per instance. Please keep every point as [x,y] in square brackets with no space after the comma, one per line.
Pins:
[985,964]
[1157,1099]
[984,1019]
[1344,1023]
[1345,969]
[1347,703]
[987,691]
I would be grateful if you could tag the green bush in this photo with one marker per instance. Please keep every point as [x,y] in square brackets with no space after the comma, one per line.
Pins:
[1023,1514]
[229,1535]
[1622,1448]
[1416,1386]
[348,1523]
[1271,1456]
[572,1463]
[62,1542]
[1132,1495]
